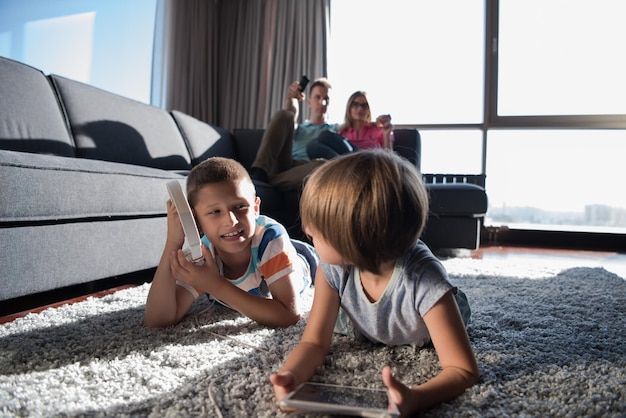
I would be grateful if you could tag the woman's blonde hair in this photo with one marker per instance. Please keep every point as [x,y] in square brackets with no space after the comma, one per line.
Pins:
[348,121]
[370,206]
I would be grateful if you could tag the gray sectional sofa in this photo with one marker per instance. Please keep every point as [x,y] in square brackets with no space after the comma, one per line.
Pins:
[82,184]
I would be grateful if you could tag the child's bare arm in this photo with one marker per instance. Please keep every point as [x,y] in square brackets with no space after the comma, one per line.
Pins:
[167,303]
[459,368]
[280,311]
[315,341]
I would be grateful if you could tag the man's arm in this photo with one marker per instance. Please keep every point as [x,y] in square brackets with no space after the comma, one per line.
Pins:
[294,95]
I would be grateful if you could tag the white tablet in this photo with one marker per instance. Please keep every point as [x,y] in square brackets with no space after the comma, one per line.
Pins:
[194,252]
[337,399]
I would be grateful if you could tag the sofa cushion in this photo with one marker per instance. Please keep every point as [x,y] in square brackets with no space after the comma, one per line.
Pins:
[31,119]
[43,188]
[202,139]
[110,127]
[457,199]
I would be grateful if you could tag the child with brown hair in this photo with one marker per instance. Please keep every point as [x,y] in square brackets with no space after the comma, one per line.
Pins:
[255,268]
[365,213]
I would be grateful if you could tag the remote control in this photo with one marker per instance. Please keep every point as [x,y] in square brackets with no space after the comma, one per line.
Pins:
[194,252]
[303,83]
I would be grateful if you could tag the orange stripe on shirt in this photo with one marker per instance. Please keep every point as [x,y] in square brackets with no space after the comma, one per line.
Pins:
[275,264]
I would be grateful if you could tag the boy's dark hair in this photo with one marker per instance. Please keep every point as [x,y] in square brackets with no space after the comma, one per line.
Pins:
[370,206]
[214,170]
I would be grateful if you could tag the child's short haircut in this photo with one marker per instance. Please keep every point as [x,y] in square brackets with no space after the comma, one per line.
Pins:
[214,170]
[370,206]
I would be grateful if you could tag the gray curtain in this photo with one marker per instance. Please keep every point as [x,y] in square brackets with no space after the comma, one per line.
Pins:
[229,62]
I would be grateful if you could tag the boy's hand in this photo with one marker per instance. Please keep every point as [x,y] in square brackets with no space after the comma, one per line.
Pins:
[175,232]
[206,277]
[284,383]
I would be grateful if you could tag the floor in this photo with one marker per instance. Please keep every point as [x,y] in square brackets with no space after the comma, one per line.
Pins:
[11,317]
[611,261]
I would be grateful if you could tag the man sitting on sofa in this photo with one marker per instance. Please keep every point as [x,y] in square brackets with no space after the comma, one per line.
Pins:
[282,158]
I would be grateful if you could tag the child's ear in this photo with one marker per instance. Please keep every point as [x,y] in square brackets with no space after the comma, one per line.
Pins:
[257,206]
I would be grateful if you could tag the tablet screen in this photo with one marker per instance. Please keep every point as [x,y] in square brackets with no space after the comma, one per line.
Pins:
[325,397]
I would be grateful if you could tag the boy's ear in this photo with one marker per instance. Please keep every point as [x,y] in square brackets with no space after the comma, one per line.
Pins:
[257,206]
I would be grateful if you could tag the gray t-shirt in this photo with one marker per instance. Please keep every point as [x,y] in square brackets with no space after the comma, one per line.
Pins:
[418,281]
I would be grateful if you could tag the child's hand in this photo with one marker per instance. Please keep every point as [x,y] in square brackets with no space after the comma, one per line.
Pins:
[399,393]
[206,277]
[175,232]
[284,382]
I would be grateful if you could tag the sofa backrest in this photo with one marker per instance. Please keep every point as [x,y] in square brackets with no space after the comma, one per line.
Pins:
[247,142]
[31,119]
[109,127]
[204,140]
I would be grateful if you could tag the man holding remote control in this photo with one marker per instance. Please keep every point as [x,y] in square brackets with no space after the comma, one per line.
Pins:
[282,158]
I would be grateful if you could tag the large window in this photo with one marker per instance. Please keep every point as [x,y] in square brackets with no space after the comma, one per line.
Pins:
[420,61]
[105,43]
[561,57]
[559,65]
[530,93]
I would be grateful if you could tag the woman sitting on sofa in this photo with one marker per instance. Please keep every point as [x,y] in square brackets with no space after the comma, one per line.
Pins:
[357,131]
[358,126]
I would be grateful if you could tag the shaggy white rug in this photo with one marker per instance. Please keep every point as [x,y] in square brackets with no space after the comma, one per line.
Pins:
[549,342]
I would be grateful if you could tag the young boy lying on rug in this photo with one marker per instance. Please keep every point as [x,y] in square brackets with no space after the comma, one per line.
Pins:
[256,269]
[376,280]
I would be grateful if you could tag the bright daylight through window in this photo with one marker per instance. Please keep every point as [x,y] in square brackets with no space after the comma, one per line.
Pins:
[105,43]
[424,62]
[559,57]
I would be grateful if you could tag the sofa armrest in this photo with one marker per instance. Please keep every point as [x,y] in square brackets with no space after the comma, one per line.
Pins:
[407,143]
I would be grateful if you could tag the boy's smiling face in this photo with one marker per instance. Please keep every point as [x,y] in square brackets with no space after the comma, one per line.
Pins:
[226,213]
